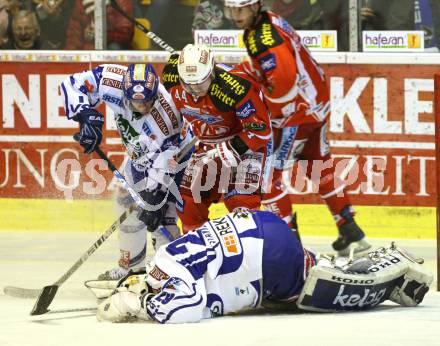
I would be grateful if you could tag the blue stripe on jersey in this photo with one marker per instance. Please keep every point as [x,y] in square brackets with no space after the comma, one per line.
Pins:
[252,233]
[136,174]
[257,285]
[184,251]
[137,259]
[66,100]
[198,302]
[97,73]
[170,142]
[169,294]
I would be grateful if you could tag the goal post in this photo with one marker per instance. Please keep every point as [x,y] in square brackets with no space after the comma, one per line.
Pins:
[437,158]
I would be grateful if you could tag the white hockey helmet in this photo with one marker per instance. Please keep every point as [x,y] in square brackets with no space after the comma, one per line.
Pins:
[196,64]
[239,3]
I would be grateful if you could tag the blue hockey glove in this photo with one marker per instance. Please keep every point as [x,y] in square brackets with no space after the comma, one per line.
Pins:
[90,133]
[153,219]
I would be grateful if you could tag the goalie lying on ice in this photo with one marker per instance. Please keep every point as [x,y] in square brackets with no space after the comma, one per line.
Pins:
[248,260]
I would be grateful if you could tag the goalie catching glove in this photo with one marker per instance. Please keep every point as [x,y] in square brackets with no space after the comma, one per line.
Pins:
[90,131]
[125,304]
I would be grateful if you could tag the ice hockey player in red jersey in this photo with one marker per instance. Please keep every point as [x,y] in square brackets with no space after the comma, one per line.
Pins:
[297,94]
[228,116]
[247,260]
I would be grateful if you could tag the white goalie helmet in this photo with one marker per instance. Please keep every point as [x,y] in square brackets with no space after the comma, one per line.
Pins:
[239,3]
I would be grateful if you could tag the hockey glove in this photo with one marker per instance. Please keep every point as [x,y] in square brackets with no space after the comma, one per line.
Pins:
[231,150]
[153,219]
[90,133]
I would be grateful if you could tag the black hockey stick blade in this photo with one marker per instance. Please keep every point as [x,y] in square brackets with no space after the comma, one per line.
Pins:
[44,299]
[19,292]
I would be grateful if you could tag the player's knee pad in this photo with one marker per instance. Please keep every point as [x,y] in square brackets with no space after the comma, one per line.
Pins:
[380,275]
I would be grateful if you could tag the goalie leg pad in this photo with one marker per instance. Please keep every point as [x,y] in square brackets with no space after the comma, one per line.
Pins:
[387,273]
[332,289]
[412,287]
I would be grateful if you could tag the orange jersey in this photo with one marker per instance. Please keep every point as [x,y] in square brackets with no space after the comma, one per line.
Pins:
[294,85]
[232,107]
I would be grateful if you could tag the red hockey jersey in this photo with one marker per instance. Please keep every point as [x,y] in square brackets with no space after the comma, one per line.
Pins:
[294,85]
[233,107]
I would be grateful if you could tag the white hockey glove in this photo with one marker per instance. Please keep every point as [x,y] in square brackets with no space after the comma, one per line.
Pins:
[230,151]
[166,160]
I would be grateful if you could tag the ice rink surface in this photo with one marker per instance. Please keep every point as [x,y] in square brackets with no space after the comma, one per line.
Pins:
[36,259]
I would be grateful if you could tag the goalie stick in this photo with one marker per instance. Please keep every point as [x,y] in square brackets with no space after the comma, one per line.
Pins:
[156,39]
[47,294]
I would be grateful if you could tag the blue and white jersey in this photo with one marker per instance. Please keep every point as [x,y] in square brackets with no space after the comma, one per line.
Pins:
[150,140]
[223,266]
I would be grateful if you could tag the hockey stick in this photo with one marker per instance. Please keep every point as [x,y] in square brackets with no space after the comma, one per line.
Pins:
[65,311]
[48,293]
[156,39]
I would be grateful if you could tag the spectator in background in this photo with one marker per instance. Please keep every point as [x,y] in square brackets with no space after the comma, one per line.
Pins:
[387,15]
[176,29]
[81,27]
[335,17]
[5,26]
[301,14]
[209,15]
[25,30]
[53,16]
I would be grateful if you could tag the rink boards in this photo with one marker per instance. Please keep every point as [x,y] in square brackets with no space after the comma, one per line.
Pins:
[382,125]
[98,215]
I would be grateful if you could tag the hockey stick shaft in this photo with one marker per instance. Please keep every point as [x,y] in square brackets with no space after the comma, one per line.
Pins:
[133,193]
[33,293]
[156,39]
[65,311]
[48,293]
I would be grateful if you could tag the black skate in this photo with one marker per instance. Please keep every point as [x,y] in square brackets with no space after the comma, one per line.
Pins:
[350,236]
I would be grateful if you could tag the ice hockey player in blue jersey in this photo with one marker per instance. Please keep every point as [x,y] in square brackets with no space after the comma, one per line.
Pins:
[250,260]
[150,126]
